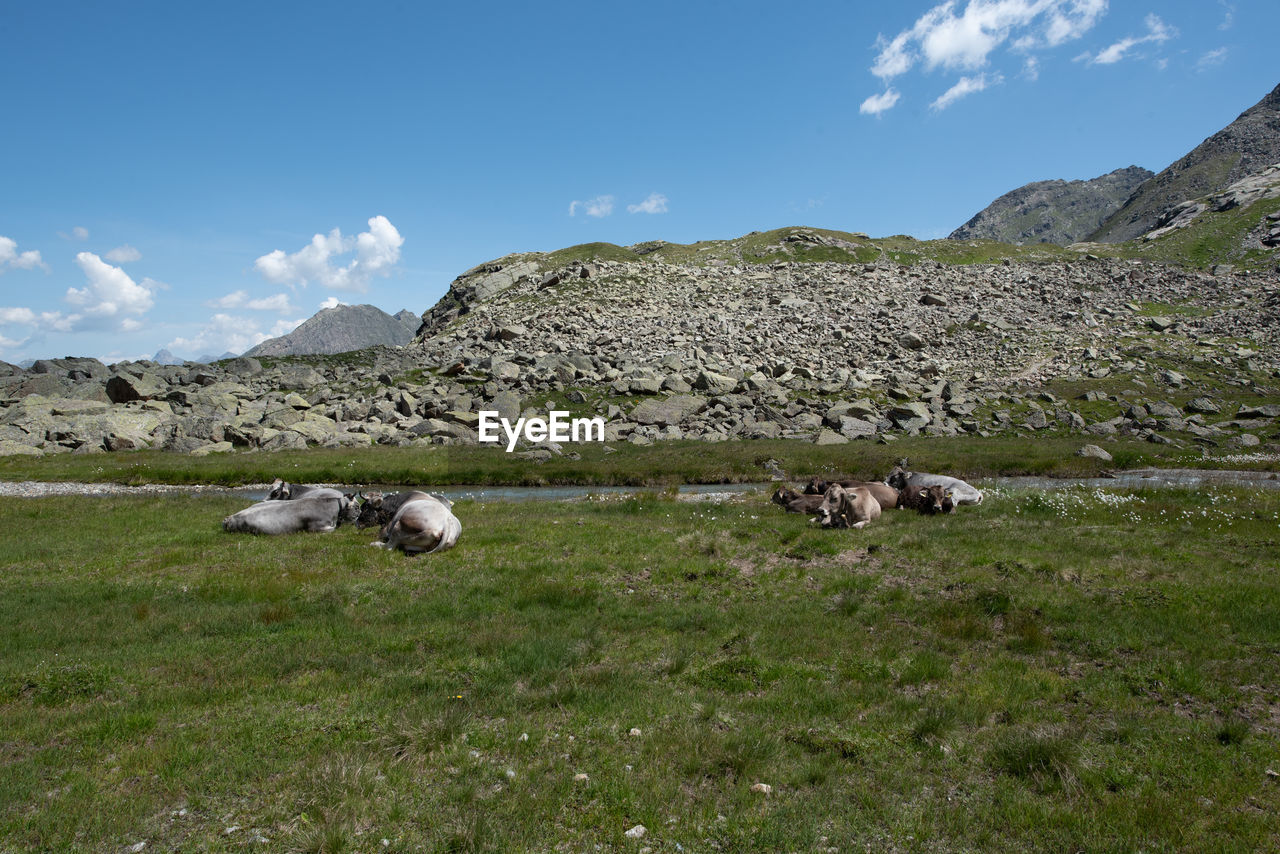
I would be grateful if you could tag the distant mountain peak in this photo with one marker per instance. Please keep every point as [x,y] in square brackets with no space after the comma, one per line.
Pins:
[341,329]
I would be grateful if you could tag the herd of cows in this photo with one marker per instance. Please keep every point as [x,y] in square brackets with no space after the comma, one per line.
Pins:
[414,522]
[856,503]
[417,522]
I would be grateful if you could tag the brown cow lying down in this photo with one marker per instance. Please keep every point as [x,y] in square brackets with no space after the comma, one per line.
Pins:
[848,508]
[794,502]
[886,496]
[423,524]
[928,499]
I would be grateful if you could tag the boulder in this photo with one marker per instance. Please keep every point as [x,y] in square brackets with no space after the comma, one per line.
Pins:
[1203,405]
[126,388]
[830,437]
[670,411]
[506,404]
[714,383]
[244,366]
[911,341]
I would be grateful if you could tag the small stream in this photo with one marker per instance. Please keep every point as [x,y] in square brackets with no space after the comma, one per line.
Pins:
[1133,479]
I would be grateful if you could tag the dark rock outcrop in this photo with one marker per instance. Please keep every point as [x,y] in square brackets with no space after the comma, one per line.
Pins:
[1061,212]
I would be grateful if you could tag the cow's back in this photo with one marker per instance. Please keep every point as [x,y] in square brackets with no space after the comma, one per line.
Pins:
[318,514]
[961,492]
[423,523]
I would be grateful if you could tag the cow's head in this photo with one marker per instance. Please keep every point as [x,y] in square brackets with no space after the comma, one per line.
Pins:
[897,478]
[783,496]
[816,486]
[369,507]
[279,491]
[836,510]
[350,507]
[933,499]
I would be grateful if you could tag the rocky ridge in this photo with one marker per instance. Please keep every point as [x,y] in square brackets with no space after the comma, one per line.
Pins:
[1247,146]
[1242,194]
[1056,211]
[822,352]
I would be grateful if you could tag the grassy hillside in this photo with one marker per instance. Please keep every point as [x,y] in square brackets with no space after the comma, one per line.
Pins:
[1213,238]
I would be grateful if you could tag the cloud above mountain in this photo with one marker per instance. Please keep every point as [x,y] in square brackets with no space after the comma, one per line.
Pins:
[955,37]
[337,262]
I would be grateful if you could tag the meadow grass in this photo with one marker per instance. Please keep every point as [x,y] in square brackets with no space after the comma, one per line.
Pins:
[1066,670]
[619,463]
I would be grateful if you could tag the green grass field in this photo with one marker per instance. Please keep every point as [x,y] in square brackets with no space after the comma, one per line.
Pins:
[622,464]
[1060,671]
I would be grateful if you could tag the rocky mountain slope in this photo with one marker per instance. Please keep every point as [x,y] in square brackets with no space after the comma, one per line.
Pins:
[341,329]
[727,340]
[1243,148]
[1057,211]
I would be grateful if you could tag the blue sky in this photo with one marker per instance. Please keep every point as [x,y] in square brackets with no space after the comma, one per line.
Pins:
[200,176]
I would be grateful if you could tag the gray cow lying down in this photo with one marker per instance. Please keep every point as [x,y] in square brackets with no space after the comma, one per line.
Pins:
[961,492]
[316,513]
[423,524]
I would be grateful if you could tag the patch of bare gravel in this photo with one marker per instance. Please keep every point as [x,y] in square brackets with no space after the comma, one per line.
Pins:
[42,489]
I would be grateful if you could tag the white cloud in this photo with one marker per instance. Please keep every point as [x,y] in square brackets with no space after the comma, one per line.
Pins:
[235,299]
[123,255]
[655,203]
[1212,58]
[600,206]
[80,232]
[229,333]
[110,292]
[240,299]
[965,86]
[376,253]
[1229,15]
[1031,69]
[332,302]
[877,104]
[894,58]
[965,41]
[284,327]
[1070,22]
[17,316]
[10,257]
[275,302]
[1157,32]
